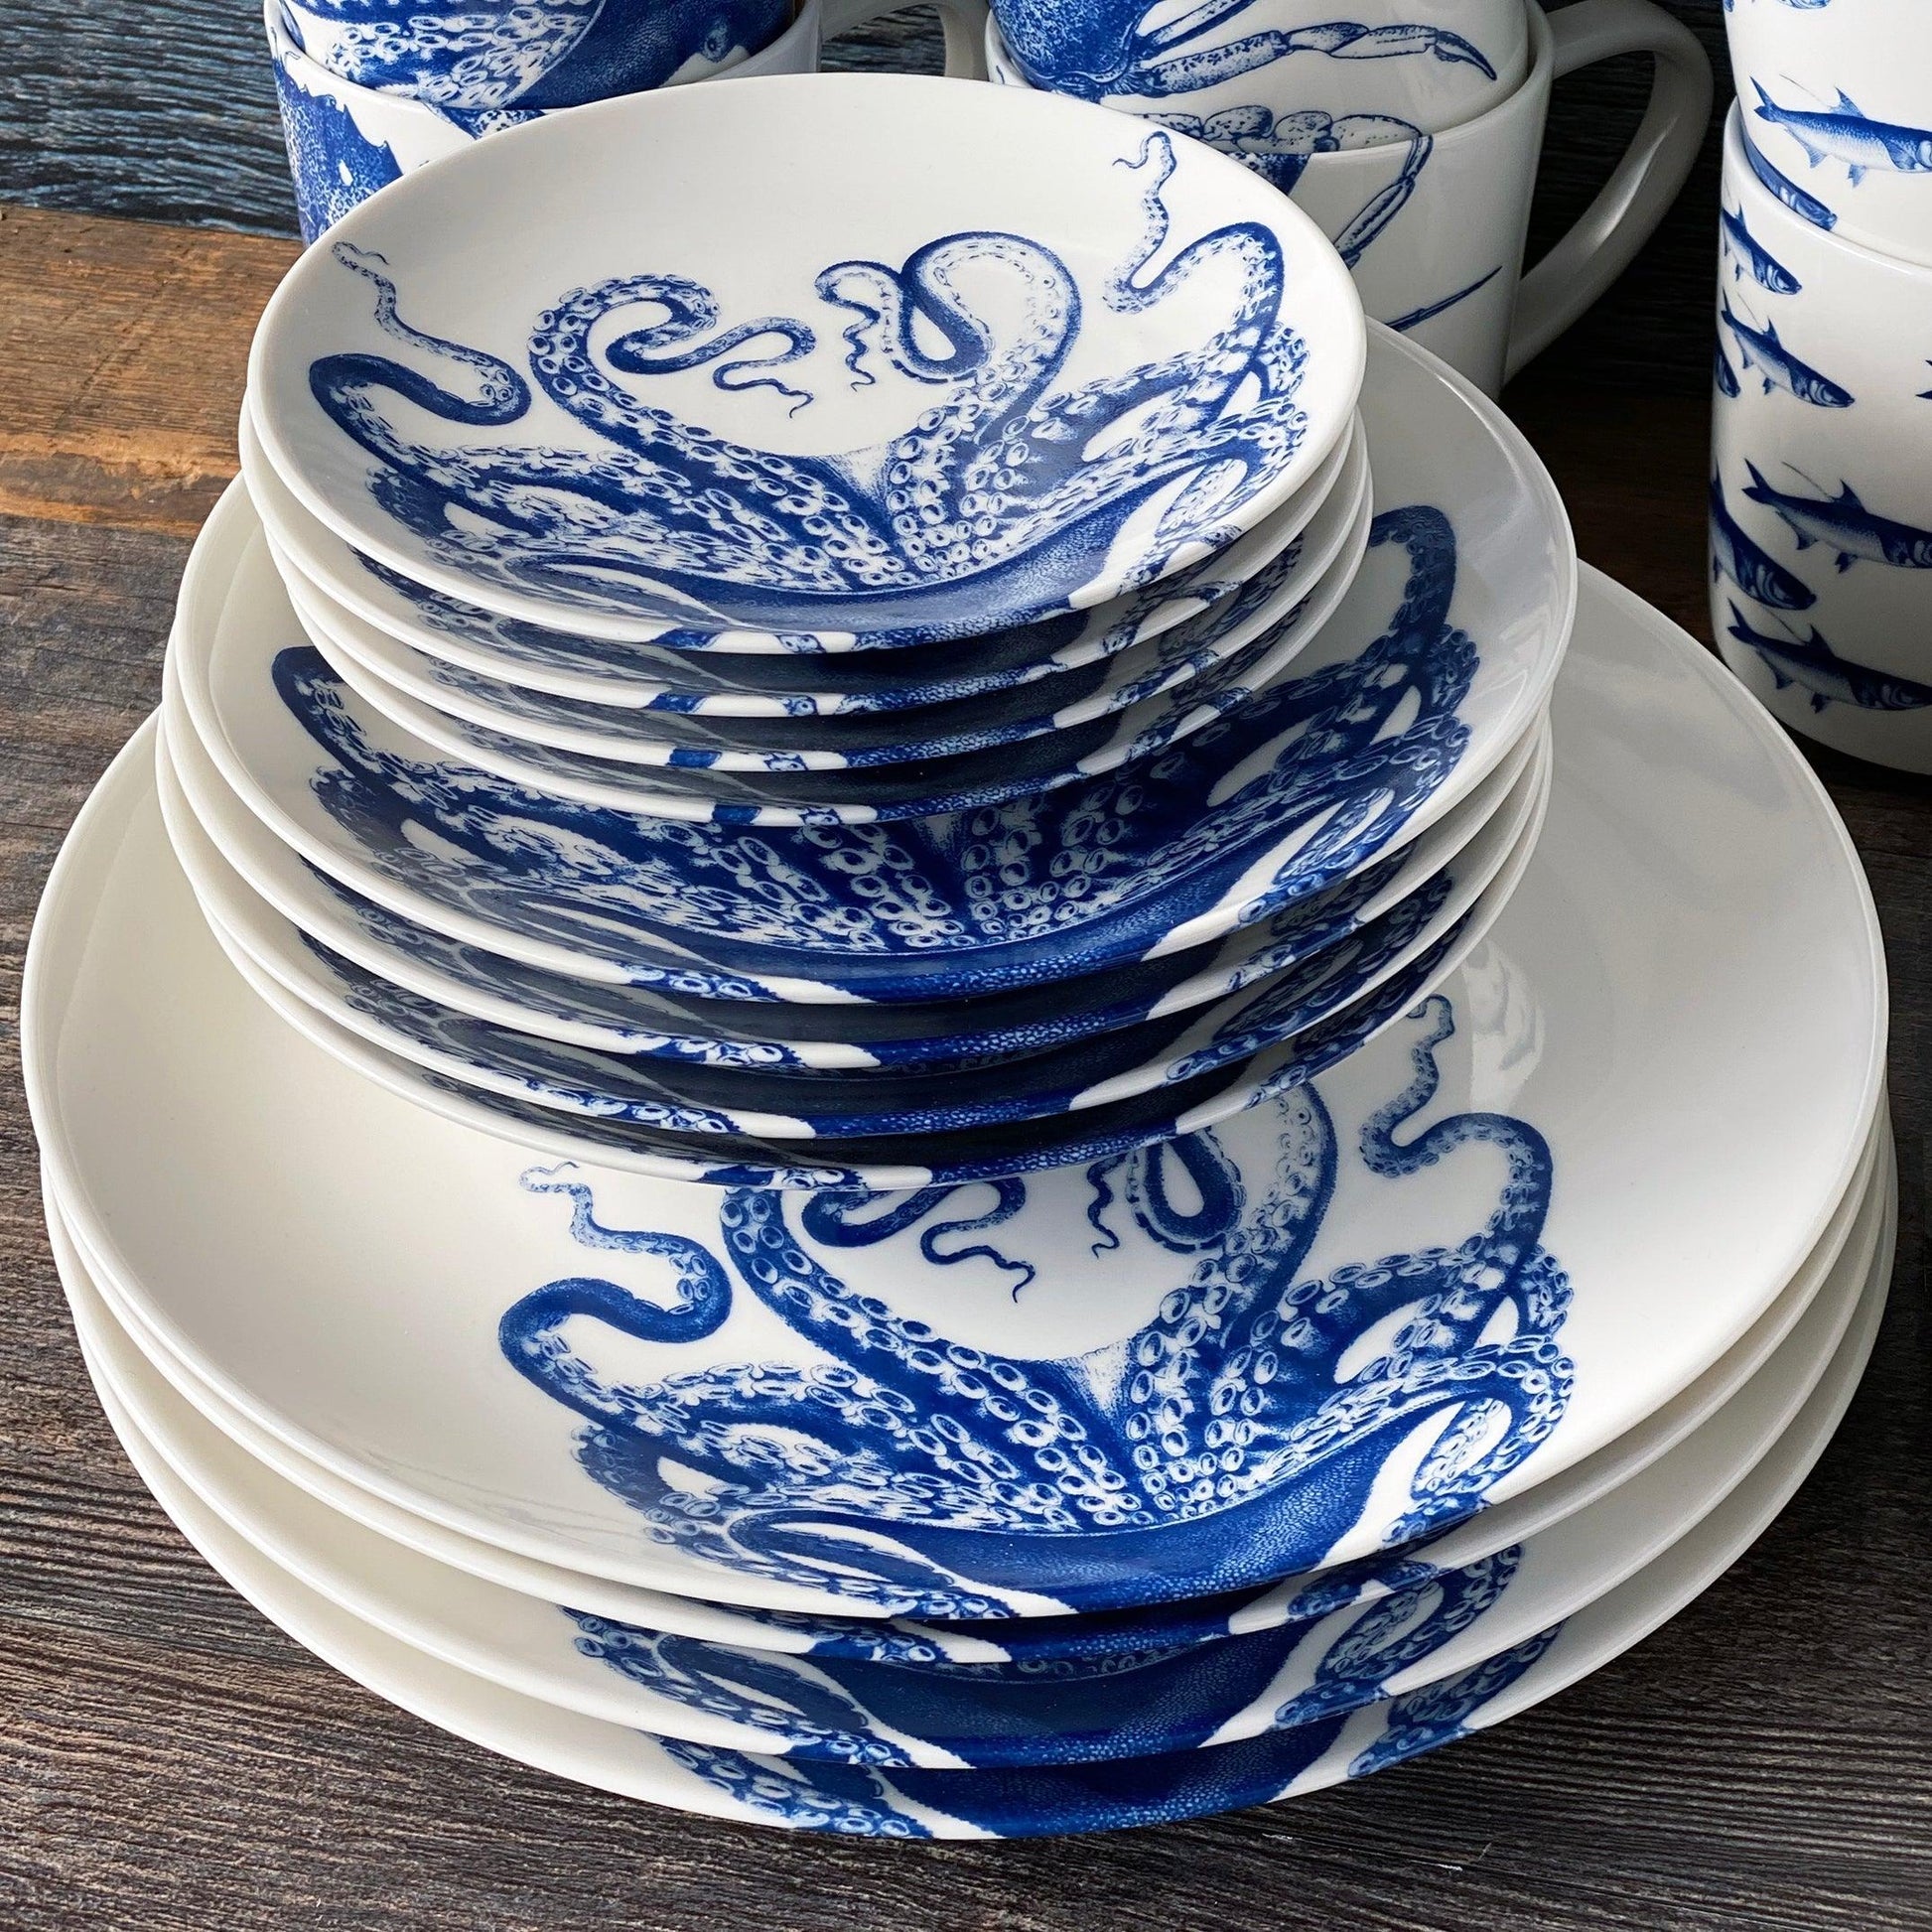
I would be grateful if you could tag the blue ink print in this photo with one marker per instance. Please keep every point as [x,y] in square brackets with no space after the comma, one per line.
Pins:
[1843,524]
[1754,569]
[922,1476]
[987,508]
[1121,46]
[1844,134]
[335,165]
[1723,374]
[1815,668]
[1778,368]
[1787,191]
[1754,257]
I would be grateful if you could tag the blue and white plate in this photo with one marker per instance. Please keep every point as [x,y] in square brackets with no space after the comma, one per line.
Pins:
[983,359]
[721,673]
[1288,600]
[1450,1267]
[798,788]
[1431,670]
[1442,920]
[1387,1643]
[235,864]
[312,1589]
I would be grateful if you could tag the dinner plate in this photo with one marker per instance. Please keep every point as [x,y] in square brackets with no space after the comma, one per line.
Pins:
[689,391]
[867,1801]
[1850,1244]
[1437,660]
[706,671]
[1261,627]
[1437,1623]
[1445,919]
[225,849]
[1683,1007]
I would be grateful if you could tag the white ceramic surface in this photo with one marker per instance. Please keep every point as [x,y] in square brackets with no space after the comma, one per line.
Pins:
[1432,227]
[743,454]
[951,1805]
[1714,1049]
[1400,67]
[1850,1243]
[1281,614]
[1836,96]
[258,892]
[1821,511]
[836,1709]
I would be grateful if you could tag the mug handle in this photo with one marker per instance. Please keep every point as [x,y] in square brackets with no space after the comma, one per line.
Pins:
[1645,181]
[962,21]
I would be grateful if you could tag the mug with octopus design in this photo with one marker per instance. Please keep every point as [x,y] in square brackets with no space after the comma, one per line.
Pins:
[1418,66]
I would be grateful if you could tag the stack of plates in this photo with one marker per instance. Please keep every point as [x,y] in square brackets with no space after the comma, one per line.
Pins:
[983,1275]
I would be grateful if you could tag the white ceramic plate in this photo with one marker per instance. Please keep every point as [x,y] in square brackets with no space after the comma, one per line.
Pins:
[1675,1039]
[1850,1245]
[853,1801]
[1381,1645]
[225,849]
[610,376]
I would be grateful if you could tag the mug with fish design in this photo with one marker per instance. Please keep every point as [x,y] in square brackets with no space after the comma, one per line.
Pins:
[1432,225]
[1838,103]
[345,141]
[1416,66]
[1821,494]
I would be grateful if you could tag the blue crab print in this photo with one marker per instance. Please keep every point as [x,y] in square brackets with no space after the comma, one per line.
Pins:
[996,505]
[1219,1445]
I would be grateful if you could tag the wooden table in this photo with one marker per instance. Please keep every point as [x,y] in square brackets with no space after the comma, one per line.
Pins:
[170,1762]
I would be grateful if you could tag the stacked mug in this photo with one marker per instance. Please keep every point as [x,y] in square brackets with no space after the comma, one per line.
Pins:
[370,89]
[1821,489]
[1410,131]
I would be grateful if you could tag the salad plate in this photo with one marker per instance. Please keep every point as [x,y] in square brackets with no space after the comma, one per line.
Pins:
[1436,663]
[247,879]
[1436,1624]
[942,1099]
[863,1800]
[794,788]
[1286,603]
[722,672]
[1849,1246]
[689,393]
[1706,1035]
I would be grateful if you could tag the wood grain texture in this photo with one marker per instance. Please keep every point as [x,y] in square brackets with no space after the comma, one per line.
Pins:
[169,1760]
[168,112]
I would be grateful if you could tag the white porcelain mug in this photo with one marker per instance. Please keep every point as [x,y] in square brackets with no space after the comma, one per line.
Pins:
[1420,64]
[1821,493]
[345,141]
[1838,101]
[1432,226]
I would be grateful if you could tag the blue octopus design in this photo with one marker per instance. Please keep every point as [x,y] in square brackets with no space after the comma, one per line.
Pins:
[1217,1446]
[992,507]
[863,1801]
[1043,887]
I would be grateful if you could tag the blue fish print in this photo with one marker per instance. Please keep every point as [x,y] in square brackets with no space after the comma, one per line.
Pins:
[987,508]
[1827,678]
[1722,374]
[1754,257]
[1787,191]
[920,1476]
[1844,134]
[1752,569]
[867,1801]
[1844,525]
[1760,350]
[1093,48]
